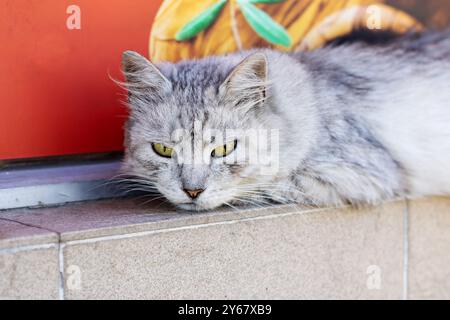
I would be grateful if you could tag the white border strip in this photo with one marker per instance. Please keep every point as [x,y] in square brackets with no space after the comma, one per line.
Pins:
[59,184]
[53,194]
[191,227]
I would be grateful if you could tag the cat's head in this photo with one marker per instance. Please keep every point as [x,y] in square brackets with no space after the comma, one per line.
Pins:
[197,128]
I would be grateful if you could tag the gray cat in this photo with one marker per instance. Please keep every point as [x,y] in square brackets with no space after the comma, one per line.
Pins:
[347,124]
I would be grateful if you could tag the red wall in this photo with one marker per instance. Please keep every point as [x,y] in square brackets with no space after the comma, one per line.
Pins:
[55,94]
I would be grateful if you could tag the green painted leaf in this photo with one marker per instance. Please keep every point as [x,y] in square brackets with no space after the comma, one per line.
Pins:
[266,1]
[200,22]
[264,25]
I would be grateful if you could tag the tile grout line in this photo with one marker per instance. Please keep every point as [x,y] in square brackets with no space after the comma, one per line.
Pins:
[406,250]
[59,246]
[188,227]
[28,248]
[61,289]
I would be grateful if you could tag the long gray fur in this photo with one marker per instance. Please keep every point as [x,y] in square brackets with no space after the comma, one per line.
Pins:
[357,124]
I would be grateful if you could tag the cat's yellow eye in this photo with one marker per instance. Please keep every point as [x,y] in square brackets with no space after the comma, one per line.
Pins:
[224,150]
[162,150]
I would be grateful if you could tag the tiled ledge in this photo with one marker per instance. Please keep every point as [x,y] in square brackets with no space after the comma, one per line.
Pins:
[124,249]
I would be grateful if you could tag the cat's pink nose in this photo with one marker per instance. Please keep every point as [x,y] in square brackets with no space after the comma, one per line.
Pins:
[193,193]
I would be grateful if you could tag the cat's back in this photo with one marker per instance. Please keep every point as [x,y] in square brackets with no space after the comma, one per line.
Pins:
[408,55]
[401,90]
[409,106]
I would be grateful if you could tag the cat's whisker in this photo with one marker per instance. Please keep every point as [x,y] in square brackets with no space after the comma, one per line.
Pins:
[152,200]
[340,138]
[139,189]
[146,196]
[231,206]
[136,182]
[248,201]
[258,203]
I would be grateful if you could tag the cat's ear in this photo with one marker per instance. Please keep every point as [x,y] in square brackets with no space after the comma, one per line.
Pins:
[246,86]
[142,76]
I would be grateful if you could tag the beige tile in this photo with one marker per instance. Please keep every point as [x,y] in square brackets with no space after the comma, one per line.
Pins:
[29,267]
[94,218]
[14,234]
[429,249]
[29,274]
[315,254]
[122,216]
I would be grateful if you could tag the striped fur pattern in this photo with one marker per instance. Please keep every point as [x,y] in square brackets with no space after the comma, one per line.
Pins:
[356,124]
